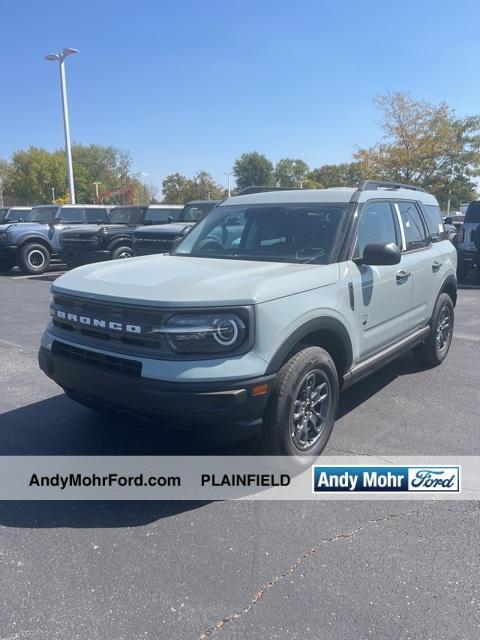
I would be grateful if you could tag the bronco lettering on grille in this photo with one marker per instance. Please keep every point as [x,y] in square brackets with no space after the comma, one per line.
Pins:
[98,322]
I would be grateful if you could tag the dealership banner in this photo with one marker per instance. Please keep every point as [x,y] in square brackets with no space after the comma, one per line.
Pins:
[239,478]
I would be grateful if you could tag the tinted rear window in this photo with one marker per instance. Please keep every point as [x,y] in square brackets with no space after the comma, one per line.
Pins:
[473,212]
[433,218]
[96,215]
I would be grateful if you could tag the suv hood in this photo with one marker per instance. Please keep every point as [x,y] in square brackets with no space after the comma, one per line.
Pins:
[180,281]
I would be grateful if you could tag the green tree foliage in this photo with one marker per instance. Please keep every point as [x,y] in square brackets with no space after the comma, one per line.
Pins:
[425,144]
[32,173]
[345,174]
[178,189]
[290,172]
[253,169]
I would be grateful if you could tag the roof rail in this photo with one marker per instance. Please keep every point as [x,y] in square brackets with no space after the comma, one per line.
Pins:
[249,190]
[373,185]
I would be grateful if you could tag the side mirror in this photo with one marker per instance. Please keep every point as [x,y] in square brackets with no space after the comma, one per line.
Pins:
[170,218]
[56,221]
[448,220]
[378,254]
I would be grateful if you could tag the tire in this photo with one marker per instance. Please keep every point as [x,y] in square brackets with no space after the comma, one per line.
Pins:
[122,252]
[462,271]
[34,258]
[279,435]
[434,349]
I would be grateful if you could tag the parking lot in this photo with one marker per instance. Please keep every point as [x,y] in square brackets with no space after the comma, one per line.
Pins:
[240,569]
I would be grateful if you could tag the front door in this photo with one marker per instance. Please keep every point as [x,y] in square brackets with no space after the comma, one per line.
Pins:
[382,295]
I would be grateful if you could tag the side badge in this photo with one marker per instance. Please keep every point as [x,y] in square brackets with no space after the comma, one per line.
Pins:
[365,319]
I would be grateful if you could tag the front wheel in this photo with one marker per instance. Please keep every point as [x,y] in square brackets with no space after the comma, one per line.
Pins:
[433,350]
[122,252]
[302,407]
[34,258]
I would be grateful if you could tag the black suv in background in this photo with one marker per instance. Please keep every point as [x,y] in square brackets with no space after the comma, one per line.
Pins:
[468,241]
[160,239]
[113,240]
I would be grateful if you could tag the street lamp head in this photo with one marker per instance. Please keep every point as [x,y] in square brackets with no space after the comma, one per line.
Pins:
[52,56]
[68,52]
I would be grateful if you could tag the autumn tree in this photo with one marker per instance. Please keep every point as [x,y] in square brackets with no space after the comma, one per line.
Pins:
[424,144]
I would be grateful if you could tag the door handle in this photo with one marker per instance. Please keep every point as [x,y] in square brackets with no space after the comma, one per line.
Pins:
[402,276]
[436,266]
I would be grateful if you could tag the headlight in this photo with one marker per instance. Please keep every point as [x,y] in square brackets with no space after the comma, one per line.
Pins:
[3,236]
[206,332]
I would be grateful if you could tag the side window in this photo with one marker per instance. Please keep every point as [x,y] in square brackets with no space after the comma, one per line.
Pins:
[71,215]
[433,218]
[415,236]
[158,215]
[96,214]
[376,225]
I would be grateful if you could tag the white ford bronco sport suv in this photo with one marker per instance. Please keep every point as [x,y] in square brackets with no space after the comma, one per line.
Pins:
[262,314]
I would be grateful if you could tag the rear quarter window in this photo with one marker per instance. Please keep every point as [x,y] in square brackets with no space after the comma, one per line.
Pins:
[434,221]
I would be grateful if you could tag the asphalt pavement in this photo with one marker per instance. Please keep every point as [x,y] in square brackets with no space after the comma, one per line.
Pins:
[238,570]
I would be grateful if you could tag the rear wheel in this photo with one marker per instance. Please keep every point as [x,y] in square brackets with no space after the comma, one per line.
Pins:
[301,410]
[122,252]
[34,258]
[436,345]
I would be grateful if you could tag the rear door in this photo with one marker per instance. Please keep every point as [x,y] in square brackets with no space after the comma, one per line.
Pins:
[382,295]
[420,260]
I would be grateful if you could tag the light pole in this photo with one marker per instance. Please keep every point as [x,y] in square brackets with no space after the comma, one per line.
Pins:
[1,192]
[450,191]
[60,58]
[228,174]
[96,188]
[53,195]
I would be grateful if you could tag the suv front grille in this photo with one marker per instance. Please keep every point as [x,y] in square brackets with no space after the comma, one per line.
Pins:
[112,363]
[77,241]
[152,244]
[120,327]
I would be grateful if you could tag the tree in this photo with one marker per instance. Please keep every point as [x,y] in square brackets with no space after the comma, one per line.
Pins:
[346,174]
[109,166]
[178,189]
[31,175]
[290,172]
[425,144]
[253,169]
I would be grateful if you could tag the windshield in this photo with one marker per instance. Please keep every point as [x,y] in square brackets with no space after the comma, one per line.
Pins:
[195,212]
[297,233]
[126,215]
[43,215]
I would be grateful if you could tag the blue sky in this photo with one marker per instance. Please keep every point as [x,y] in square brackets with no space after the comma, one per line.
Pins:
[187,85]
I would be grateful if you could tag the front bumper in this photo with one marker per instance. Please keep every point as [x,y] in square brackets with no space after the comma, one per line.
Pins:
[8,250]
[84,257]
[187,404]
